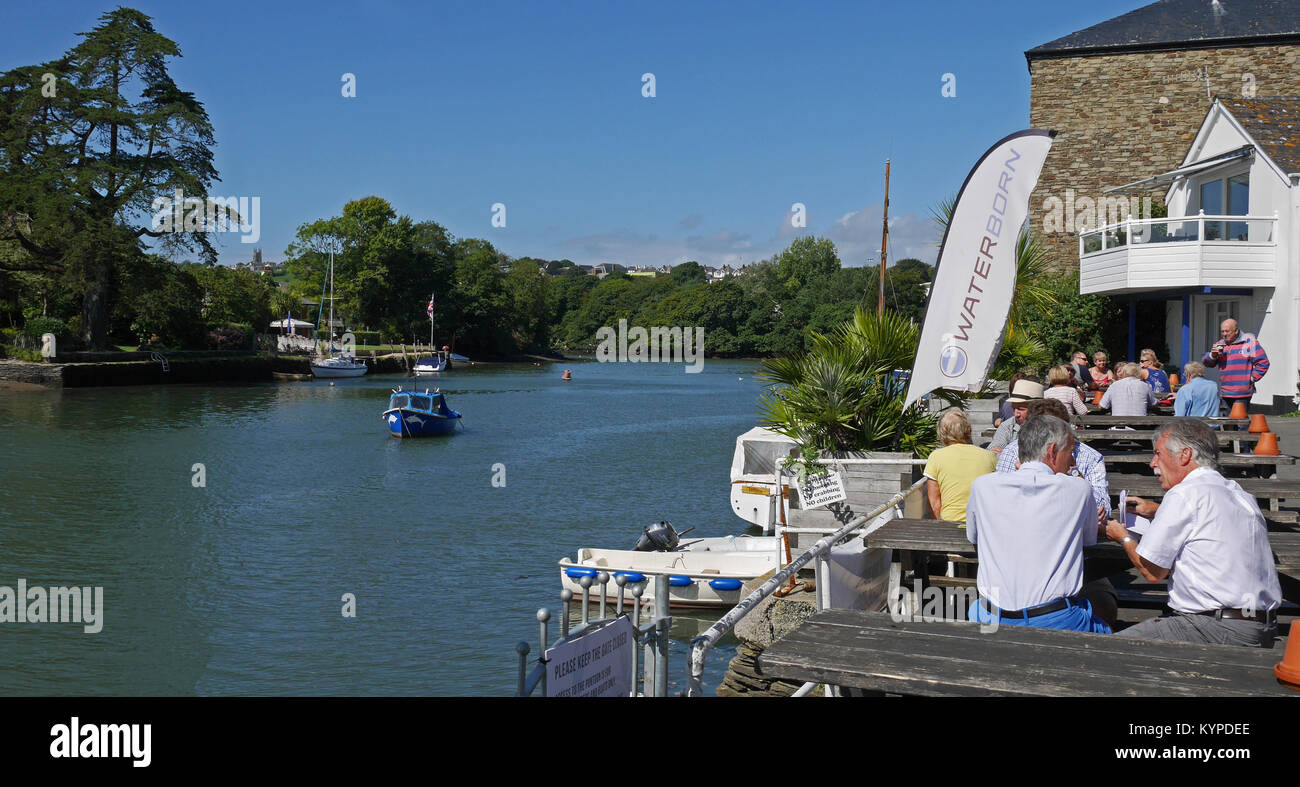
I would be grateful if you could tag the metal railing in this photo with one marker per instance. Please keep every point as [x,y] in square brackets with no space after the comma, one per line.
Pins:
[162,359]
[701,645]
[1195,228]
[652,638]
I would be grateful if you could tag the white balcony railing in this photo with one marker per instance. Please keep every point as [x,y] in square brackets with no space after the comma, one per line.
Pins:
[1182,251]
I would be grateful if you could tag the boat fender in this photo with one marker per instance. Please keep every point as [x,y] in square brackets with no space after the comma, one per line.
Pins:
[633,577]
[725,584]
[575,572]
[677,581]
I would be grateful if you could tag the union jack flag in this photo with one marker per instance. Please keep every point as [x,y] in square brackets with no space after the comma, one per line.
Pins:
[430,309]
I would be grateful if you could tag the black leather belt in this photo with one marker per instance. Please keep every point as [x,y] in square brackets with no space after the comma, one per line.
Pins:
[1033,612]
[1268,618]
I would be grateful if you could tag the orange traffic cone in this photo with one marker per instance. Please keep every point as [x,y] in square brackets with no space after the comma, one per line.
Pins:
[1267,445]
[1238,409]
[1288,669]
[1258,424]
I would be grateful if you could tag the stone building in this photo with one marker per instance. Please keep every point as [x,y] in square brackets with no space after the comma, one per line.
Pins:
[1127,97]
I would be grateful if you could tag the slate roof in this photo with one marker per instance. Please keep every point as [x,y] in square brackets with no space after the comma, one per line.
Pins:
[1274,123]
[1182,24]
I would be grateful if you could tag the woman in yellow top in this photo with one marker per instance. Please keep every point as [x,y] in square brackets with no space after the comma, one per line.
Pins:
[951,469]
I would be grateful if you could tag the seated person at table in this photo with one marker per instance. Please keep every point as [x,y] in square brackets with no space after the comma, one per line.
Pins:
[1004,411]
[1087,460]
[1209,539]
[1022,393]
[1083,377]
[1092,466]
[1198,396]
[1153,373]
[1031,527]
[1064,391]
[951,469]
[1102,377]
[1128,395]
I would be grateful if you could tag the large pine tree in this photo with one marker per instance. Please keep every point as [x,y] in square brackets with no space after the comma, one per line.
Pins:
[87,142]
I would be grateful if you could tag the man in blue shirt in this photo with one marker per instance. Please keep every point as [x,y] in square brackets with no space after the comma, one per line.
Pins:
[1198,396]
[1087,460]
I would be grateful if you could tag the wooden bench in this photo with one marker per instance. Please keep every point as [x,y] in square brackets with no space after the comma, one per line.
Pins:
[871,652]
[1272,490]
[1264,466]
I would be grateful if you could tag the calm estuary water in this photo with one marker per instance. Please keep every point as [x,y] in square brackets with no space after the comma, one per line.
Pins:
[234,588]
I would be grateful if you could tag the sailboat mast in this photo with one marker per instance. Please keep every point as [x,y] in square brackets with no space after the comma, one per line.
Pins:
[884,244]
[331,300]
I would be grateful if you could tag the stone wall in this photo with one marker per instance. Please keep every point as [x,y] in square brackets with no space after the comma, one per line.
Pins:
[1124,117]
[48,374]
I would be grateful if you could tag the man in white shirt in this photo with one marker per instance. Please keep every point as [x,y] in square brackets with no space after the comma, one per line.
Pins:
[1208,538]
[1031,527]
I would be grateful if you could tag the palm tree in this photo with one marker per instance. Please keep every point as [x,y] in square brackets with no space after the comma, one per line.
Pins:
[846,393]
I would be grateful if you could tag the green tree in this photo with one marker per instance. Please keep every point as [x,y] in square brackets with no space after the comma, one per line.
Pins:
[479,304]
[529,296]
[159,299]
[80,170]
[806,260]
[385,268]
[234,296]
[688,273]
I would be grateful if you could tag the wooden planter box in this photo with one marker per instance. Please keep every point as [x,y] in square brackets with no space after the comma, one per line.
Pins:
[859,575]
[867,486]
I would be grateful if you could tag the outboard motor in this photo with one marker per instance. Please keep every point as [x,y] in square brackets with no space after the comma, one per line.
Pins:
[659,537]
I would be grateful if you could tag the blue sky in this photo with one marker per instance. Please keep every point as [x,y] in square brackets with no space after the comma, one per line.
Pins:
[539,106]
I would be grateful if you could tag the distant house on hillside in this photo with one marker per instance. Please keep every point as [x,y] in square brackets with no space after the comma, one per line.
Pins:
[1231,244]
[605,268]
[1127,96]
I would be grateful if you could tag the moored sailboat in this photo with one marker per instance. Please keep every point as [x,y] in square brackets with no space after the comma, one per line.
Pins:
[340,363]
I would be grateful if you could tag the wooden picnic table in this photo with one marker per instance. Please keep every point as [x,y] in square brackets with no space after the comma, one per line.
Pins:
[1155,420]
[1225,437]
[869,651]
[913,539]
[1156,409]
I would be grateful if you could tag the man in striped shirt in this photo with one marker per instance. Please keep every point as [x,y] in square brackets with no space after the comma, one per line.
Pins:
[1241,360]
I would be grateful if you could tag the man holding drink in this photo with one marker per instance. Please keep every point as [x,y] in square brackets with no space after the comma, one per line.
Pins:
[1241,360]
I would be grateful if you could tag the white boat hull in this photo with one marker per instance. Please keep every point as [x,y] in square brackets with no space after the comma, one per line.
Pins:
[351,370]
[759,454]
[707,576]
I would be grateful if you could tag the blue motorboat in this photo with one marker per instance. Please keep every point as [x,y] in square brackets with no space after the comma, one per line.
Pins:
[419,414]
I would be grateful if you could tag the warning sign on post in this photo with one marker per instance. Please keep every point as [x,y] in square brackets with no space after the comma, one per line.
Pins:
[598,664]
[820,490]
